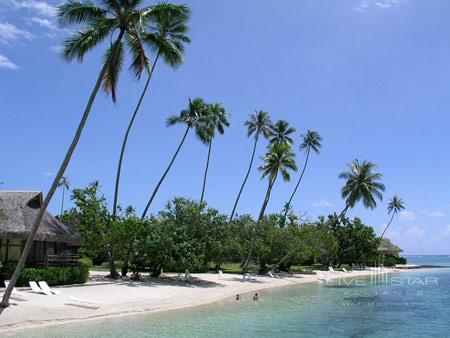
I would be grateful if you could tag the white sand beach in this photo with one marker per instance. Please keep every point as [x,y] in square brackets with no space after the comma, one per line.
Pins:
[127,297]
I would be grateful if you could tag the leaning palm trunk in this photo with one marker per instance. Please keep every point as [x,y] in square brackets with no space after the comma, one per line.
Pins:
[125,139]
[206,172]
[298,184]
[56,180]
[112,268]
[387,226]
[246,177]
[165,173]
[255,230]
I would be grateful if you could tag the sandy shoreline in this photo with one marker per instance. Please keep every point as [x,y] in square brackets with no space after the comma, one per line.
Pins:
[120,298]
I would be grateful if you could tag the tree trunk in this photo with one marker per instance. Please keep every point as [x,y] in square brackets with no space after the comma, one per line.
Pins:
[165,173]
[113,272]
[54,186]
[387,226]
[260,217]
[246,176]
[206,172]
[62,202]
[298,183]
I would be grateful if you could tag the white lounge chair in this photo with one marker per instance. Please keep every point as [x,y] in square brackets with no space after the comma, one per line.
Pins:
[82,303]
[270,273]
[221,276]
[246,276]
[44,286]
[36,289]
[330,268]
[345,270]
[16,295]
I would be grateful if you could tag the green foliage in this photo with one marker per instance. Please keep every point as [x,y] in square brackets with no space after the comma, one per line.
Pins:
[86,261]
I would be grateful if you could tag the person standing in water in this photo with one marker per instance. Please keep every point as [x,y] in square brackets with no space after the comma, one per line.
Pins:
[255,297]
[238,297]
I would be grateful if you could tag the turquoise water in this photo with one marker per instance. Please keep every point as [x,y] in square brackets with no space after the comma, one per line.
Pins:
[411,304]
[443,260]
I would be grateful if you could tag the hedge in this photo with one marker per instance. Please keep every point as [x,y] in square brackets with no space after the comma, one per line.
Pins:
[58,276]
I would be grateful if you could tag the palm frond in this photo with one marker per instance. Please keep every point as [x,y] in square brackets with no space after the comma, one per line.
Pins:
[77,12]
[140,60]
[114,61]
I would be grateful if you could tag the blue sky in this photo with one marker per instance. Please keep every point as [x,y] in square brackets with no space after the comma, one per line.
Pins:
[372,77]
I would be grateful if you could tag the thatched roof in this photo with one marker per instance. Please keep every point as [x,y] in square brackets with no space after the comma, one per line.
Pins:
[18,210]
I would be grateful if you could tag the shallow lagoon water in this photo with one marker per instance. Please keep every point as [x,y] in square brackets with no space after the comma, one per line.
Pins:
[411,304]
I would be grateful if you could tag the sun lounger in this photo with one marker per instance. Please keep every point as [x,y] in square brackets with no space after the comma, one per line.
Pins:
[345,270]
[270,273]
[36,289]
[320,276]
[246,276]
[82,303]
[44,286]
[221,276]
[330,268]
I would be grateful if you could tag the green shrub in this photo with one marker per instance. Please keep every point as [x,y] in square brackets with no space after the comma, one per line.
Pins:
[86,261]
[59,276]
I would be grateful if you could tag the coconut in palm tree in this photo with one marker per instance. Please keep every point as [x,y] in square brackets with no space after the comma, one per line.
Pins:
[95,24]
[311,141]
[258,124]
[279,159]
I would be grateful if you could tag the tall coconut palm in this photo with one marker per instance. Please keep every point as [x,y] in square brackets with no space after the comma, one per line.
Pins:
[311,141]
[215,118]
[280,133]
[164,33]
[110,18]
[258,123]
[395,205]
[189,118]
[64,184]
[362,184]
[279,159]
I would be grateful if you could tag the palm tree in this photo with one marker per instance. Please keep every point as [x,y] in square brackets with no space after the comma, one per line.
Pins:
[363,184]
[164,34]
[311,141]
[278,159]
[280,133]
[214,118]
[64,184]
[98,22]
[190,118]
[258,123]
[395,205]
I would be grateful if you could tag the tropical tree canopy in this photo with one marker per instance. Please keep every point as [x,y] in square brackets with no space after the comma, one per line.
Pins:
[214,118]
[395,205]
[258,122]
[311,140]
[64,183]
[279,158]
[363,184]
[280,133]
[190,116]
[99,22]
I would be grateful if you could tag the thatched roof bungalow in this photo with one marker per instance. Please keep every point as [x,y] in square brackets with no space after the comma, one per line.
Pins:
[18,210]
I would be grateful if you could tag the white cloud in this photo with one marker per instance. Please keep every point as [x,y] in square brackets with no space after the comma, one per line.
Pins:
[414,232]
[323,203]
[10,33]
[437,214]
[43,23]
[407,215]
[48,173]
[6,63]
[446,232]
[41,7]
[366,5]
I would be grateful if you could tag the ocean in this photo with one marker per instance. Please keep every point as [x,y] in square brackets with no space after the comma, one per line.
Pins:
[409,304]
